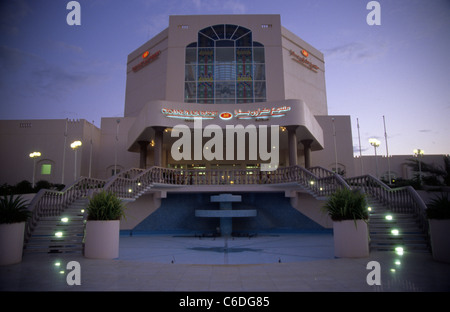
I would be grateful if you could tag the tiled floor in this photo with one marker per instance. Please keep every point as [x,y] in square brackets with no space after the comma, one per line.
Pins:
[285,262]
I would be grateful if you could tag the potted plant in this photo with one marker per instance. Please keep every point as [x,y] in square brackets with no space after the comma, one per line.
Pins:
[348,210]
[104,212]
[13,215]
[438,214]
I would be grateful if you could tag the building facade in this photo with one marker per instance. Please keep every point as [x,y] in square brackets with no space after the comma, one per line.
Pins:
[210,92]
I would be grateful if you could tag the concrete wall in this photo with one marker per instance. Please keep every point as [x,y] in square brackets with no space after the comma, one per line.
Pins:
[344,145]
[300,82]
[19,138]
[177,212]
[398,165]
[149,83]
[164,78]
[111,142]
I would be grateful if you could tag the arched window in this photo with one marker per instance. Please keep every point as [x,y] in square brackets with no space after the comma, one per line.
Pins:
[225,65]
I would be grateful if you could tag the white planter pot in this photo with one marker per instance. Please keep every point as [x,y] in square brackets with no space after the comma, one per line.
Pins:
[350,241]
[102,239]
[440,235]
[11,242]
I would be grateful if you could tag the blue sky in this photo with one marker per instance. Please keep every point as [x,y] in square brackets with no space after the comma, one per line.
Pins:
[399,69]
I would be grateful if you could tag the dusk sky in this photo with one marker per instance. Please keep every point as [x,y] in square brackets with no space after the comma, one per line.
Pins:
[399,69]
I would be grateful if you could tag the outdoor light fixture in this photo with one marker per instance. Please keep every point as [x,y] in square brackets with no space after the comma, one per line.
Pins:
[375,143]
[75,145]
[419,154]
[33,156]
[389,217]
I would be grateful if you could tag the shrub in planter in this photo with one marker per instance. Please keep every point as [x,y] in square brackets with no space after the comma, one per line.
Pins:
[438,214]
[104,212]
[348,210]
[13,215]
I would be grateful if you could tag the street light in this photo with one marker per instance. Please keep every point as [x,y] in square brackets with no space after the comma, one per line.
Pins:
[419,154]
[75,145]
[375,143]
[33,156]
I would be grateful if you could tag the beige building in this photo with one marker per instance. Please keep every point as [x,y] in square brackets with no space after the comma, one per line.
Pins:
[246,65]
[200,76]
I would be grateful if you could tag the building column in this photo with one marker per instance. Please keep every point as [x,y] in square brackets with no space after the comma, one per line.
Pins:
[158,149]
[143,154]
[292,142]
[307,152]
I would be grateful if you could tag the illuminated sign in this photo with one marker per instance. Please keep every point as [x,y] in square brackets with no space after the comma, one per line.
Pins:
[302,60]
[264,113]
[259,114]
[147,60]
[188,114]
[225,116]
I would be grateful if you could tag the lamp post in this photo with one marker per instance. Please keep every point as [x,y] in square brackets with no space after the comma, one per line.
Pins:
[115,146]
[375,143]
[335,147]
[419,154]
[33,156]
[75,145]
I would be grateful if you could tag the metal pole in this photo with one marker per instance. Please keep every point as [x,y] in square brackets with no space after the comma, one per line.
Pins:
[335,146]
[64,153]
[376,159]
[75,167]
[387,151]
[360,152]
[34,170]
[90,153]
[115,149]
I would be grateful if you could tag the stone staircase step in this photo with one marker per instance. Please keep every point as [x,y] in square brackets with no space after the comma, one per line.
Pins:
[409,235]
[43,238]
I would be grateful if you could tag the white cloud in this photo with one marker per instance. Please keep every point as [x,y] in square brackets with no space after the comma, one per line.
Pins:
[356,51]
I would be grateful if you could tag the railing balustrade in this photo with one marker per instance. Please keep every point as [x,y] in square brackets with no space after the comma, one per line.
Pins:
[400,200]
[134,182]
[129,185]
[47,203]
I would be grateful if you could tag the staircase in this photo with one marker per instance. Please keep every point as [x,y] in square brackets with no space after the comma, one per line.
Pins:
[61,233]
[389,230]
[54,234]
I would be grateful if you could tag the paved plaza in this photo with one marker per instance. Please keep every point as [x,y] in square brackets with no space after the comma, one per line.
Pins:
[271,262]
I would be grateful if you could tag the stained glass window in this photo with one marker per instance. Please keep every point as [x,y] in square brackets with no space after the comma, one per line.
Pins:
[225,66]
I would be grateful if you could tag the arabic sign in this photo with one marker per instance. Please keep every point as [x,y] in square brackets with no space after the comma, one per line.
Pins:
[147,60]
[259,114]
[303,61]
[262,113]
